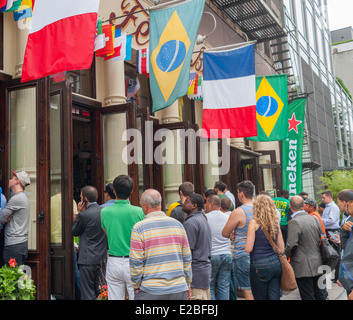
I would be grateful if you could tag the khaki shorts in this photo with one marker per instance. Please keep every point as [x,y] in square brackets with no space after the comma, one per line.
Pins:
[200,294]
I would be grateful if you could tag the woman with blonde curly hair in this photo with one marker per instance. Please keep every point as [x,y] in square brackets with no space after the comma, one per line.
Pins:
[265,267]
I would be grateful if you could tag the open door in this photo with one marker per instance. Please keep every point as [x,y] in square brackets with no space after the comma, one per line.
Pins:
[61,192]
[24,145]
[76,161]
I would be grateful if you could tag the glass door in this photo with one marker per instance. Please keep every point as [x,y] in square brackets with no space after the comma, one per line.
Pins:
[62,207]
[24,146]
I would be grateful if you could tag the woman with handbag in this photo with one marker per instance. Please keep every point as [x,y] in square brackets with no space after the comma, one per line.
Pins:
[265,265]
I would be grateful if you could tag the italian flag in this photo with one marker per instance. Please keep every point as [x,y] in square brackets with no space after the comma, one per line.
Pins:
[61,38]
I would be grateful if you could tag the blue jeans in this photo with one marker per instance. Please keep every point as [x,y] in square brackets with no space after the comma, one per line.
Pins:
[265,278]
[220,276]
[241,266]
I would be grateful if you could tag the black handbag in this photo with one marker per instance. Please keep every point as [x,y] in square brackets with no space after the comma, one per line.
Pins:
[329,253]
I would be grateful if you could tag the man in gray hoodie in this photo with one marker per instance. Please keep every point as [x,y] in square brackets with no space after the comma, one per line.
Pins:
[16,216]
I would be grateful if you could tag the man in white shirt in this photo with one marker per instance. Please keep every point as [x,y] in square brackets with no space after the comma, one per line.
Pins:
[221,255]
[331,214]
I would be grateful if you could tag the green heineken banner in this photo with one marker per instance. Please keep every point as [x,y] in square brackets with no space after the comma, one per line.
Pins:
[271,108]
[292,148]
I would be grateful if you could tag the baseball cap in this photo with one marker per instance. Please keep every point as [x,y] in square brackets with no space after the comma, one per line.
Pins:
[310,202]
[322,205]
[23,177]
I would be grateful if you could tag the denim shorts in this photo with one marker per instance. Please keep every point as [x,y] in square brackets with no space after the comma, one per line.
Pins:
[241,267]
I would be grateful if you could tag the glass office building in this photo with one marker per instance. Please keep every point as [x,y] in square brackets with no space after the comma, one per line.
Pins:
[328,120]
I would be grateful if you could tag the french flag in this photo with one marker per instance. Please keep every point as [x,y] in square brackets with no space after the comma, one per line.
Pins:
[61,37]
[229,93]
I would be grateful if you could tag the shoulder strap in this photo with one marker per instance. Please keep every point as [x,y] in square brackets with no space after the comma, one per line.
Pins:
[323,234]
[275,248]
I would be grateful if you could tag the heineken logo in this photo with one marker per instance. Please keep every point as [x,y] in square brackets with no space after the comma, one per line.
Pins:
[293,148]
[293,123]
[292,166]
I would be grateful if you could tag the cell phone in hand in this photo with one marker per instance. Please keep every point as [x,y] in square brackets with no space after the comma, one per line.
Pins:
[334,237]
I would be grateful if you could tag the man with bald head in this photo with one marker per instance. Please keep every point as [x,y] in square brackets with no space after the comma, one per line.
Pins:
[160,256]
[304,235]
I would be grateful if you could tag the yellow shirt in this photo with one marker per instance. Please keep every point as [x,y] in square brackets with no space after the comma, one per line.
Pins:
[172,206]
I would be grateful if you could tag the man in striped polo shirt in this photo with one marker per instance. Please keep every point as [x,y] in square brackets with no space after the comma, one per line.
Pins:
[160,256]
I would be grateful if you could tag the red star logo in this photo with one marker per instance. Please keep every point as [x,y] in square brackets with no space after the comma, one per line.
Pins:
[293,123]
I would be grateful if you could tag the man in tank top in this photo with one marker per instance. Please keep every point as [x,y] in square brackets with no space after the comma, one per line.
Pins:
[237,227]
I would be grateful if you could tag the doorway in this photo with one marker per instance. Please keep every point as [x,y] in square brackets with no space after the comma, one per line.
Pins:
[82,150]
[71,161]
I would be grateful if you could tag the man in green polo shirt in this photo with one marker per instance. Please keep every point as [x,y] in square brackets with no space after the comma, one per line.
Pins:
[282,204]
[117,222]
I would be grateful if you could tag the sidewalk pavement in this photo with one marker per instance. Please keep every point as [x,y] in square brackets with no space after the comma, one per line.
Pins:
[334,292]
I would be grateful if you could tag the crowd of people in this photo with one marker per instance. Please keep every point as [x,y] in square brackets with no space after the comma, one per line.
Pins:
[206,247]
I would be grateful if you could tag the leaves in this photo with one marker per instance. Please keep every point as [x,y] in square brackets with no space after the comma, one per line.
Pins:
[336,181]
[15,284]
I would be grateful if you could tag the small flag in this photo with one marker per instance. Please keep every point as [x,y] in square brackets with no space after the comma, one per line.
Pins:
[3,5]
[124,41]
[173,34]
[133,89]
[271,108]
[128,48]
[195,86]
[12,5]
[142,61]
[120,42]
[22,14]
[100,39]
[109,41]
[24,11]
[117,46]
[229,94]
[48,50]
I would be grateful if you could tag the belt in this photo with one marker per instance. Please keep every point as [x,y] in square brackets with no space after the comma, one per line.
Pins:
[118,256]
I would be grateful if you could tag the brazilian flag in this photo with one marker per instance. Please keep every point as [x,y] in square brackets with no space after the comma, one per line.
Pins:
[173,34]
[271,108]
